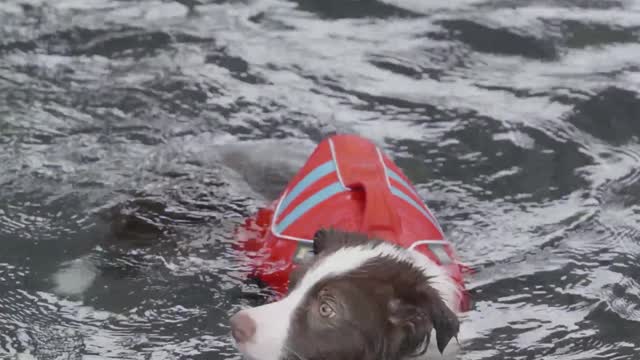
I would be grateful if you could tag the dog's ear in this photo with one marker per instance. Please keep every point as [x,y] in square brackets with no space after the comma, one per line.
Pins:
[321,240]
[411,328]
[326,240]
[445,322]
[414,318]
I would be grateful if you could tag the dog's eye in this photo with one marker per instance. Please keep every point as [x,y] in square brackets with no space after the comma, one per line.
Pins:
[326,310]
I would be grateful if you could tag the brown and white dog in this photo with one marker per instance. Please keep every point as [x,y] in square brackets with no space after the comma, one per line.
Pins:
[357,299]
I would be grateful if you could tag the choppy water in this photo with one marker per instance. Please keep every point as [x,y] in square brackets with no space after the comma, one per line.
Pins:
[134,135]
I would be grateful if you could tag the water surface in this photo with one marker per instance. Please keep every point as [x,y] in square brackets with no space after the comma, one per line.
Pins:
[134,136]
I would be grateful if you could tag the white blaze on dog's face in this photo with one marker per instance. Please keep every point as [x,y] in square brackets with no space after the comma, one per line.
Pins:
[358,299]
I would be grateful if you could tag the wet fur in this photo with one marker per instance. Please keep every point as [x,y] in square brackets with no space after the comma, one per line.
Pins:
[392,306]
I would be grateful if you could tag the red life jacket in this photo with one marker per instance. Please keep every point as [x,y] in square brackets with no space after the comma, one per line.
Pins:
[348,184]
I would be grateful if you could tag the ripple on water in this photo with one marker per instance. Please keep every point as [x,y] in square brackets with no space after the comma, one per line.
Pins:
[134,135]
[610,115]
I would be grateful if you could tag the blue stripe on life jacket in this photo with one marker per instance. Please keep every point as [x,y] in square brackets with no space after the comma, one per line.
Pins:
[396,177]
[406,198]
[308,204]
[313,176]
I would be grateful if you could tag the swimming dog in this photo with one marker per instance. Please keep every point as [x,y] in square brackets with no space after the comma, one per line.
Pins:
[379,282]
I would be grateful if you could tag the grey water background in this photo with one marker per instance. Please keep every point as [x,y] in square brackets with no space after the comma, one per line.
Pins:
[134,136]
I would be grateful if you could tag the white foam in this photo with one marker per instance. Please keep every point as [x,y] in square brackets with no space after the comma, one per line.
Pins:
[75,277]
[428,6]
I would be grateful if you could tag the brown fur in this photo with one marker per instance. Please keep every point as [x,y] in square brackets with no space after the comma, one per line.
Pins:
[387,309]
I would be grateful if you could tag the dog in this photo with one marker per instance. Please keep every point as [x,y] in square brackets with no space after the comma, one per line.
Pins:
[361,295]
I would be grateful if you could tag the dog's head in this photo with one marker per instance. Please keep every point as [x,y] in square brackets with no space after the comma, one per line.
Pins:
[357,299]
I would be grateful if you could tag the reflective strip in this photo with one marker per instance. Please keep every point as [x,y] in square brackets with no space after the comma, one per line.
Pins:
[335,161]
[397,178]
[308,204]
[427,242]
[440,253]
[313,176]
[437,248]
[397,192]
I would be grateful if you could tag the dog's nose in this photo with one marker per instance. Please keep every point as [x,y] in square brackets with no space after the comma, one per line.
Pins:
[242,327]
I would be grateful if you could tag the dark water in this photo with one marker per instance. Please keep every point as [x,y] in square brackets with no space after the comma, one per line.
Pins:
[134,135]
